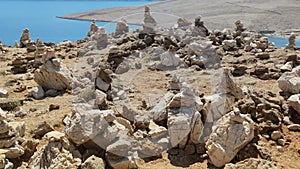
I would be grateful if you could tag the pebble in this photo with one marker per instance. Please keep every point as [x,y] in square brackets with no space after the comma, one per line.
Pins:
[286,120]
[20,113]
[276,135]
[280,149]
[294,127]
[281,142]
[3,93]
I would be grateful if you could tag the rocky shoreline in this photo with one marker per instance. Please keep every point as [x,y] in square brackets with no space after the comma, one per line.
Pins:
[184,96]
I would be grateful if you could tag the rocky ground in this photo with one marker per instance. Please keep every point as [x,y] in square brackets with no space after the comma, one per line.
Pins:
[182,97]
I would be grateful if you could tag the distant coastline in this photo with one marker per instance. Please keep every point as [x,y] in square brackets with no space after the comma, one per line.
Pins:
[217,14]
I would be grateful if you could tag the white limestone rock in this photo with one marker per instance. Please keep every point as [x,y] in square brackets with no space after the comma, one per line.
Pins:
[290,81]
[54,75]
[294,102]
[36,92]
[229,135]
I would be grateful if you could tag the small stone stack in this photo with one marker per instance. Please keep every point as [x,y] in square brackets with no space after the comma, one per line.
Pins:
[25,38]
[291,44]
[122,27]
[149,22]
[40,48]
[1,46]
[9,134]
[93,28]
[199,29]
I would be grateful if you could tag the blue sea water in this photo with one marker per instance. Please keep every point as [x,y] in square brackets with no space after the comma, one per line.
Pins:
[281,41]
[40,17]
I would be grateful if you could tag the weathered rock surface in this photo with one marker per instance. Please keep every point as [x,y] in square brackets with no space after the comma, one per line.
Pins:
[230,134]
[159,111]
[290,81]
[170,59]
[10,132]
[217,106]
[251,163]
[93,162]
[36,92]
[203,54]
[182,122]
[294,102]
[54,75]
[84,125]
[57,152]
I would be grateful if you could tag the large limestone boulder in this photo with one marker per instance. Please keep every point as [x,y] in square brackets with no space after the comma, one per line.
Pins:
[182,123]
[54,75]
[294,102]
[85,125]
[290,81]
[230,134]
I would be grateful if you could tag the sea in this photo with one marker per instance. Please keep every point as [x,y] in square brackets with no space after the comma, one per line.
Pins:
[40,17]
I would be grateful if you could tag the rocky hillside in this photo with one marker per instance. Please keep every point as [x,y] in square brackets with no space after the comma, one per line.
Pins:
[182,97]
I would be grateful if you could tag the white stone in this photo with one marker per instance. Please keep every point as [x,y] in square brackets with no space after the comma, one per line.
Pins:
[12,152]
[156,131]
[101,84]
[84,125]
[169,59]
[159,111]
[290,81]
[36,92]
[229,44]
[56,153]
[100,98]
[229,135]
[276,135]
[294,102]
[294,127]
[217,105]
[54,75]
[287,67]
[121,27]
[3,93]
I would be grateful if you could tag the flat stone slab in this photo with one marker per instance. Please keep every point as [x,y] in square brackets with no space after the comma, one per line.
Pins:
[9,104]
